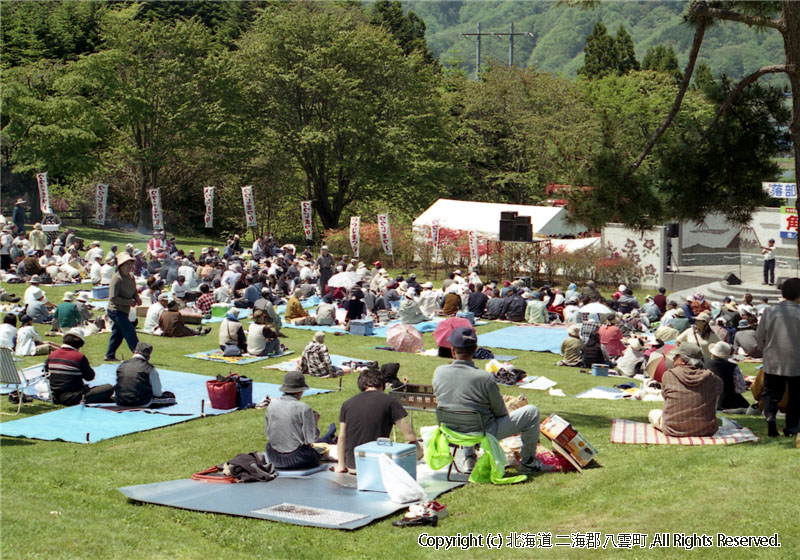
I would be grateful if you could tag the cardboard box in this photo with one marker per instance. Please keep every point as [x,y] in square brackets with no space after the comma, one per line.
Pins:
[567,441]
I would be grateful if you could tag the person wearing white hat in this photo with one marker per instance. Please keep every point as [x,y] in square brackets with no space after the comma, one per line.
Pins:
[410,313]
[34,292]
[6,240]
[107,271]
[726,369]
[154,314]
[122,295]
[632,359]
[37,238]
[325,265]
[95,270]
[81,302]
[94,252]
[66,315]
[428,300]
[18,217]
[37,310]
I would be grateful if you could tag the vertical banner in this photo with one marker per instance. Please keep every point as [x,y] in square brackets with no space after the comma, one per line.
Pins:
[435,239]
[355,229]
[249,206]
[473,248]
[385,233]
[305,208]
[100,202]
[155,209]
[208,198]
[44,193]
[789,222]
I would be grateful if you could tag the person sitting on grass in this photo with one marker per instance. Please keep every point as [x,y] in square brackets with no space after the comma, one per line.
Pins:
[594,352]
[316,359]
[326,312]
[171,323]
[451,303]
[37,310]
[370,415]
[138,383]
[8,331]
[632,360]
[151,320]
[410,313]
[690,396]
[571,348]
[231,331]
[68,369]
[291,427]
[67,315]
[295,312]
[267,305]
[726,369]
[29,341]
[206,300]
[536,310]
[261,339]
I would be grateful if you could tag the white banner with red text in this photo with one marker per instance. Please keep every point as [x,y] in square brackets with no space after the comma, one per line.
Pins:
[305,209]
[44,193]
[355,229]
[155,209]
[249,206]
[208,198]
[100,204]
[385,233]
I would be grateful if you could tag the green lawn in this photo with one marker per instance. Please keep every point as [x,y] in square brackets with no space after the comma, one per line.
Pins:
[59,500]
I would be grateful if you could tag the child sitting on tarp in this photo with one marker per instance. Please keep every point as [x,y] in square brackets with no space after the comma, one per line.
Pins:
[292,427]
[138,383]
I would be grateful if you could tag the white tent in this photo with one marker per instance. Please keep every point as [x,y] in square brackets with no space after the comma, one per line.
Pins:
[484,217]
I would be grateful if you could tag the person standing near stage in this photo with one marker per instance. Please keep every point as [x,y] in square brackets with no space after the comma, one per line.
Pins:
[122,295]
[769,262]
[325,264]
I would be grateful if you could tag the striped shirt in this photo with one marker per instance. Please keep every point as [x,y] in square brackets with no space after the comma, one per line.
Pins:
[68,369]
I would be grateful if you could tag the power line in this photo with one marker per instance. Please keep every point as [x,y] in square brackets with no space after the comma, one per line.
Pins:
[510,36]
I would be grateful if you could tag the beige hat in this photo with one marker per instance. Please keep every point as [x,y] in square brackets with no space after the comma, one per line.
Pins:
[76,332]
[319,336]
[704,317]
[68,296]
[635,344]
[83,296]
[721,350]
[123,258]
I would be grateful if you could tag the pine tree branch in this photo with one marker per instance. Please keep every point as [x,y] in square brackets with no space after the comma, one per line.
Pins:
[754,21]
[746,81]
[687,77]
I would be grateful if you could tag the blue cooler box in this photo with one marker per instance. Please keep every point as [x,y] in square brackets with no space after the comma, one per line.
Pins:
[468,315]
[100,292]
[361,326]
[368,469]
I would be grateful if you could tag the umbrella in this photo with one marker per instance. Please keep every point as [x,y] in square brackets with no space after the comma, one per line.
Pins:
[658,362]
[404,338]
[598,308]
[445,329]
[344,280]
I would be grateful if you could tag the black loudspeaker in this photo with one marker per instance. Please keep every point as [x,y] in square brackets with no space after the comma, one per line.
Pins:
[506,230]
[523,232]
[673,230]
[731,279]
[508,215]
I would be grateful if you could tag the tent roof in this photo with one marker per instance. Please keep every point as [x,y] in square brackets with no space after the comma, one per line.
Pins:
[484,217]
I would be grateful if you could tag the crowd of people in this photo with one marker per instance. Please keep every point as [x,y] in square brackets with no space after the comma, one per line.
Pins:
[176,287]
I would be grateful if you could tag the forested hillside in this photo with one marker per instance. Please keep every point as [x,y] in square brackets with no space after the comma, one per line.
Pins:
[560,33]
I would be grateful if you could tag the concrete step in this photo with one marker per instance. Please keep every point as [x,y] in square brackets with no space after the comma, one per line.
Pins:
[717,291]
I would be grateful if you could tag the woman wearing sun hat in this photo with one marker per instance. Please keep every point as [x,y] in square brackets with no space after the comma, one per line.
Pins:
[122,295]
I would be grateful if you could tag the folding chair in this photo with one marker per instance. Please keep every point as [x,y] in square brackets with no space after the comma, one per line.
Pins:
[468,422]
[11,375]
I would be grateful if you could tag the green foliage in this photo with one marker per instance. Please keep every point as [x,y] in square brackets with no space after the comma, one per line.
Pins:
[407,29]
[519,129]
[600,54]
[662,58]
[626,57]
[358,117]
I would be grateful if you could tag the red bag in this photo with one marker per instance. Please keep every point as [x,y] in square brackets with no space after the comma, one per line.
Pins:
[222,394]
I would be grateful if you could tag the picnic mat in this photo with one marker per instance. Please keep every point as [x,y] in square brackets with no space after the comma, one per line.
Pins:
[322,499]
[628,431]
[243,314]
[535,339]
[88,424]
[308,303]
[380,331]
[216,356]
[603,392]
[292,365]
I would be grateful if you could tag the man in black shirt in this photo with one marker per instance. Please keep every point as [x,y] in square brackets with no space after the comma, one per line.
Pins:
[368,416]
[476,302]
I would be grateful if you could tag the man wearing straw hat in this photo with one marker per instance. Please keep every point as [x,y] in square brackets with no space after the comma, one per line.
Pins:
[18,217]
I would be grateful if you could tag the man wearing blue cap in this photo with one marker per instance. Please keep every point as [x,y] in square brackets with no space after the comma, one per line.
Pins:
[462,386]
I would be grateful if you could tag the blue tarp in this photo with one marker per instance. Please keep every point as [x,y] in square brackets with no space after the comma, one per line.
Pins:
[535,339]
[73,423]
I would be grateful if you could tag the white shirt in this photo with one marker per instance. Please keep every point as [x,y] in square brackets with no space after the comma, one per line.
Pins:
[29,298]
[221,295]
[769,253]
[188,273]
[178,290]
[106,274]
[27,339]
[5,243]
[572,314]
[94,252]
[428,302]
[152,317]
[95,273]
[7,335]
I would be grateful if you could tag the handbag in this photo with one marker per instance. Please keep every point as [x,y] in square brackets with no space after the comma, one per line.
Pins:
[231,350]
[222,392]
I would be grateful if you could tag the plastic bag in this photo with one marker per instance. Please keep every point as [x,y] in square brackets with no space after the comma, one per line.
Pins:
[401,486]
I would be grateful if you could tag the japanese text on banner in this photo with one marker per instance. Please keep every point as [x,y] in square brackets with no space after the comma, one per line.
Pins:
[155,209]
[435,239]
[355,229]
[249,206]
[789,222]
[305,208]
[101,200]
[385,233]
[44,193]
[473,248]
[208,198]
[780,190]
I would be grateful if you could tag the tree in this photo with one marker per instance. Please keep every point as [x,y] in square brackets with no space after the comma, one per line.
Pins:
[626,57]
[601,55]
[783,17]
[407,29]
[149,83]
[362,120]
[662,58]
[519,129]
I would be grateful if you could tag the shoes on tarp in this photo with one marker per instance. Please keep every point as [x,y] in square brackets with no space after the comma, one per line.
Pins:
[419,515]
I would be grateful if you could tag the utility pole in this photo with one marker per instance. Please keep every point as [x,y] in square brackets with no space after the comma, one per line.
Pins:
[510,35]
[511,41]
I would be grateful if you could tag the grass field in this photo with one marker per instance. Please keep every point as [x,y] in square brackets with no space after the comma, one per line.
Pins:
[59,500]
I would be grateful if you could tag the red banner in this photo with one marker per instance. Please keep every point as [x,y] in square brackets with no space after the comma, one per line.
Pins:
[249,206]
[355,230]
[44,193]
[100,202]
[385,233]
[155,209]
[305,208]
